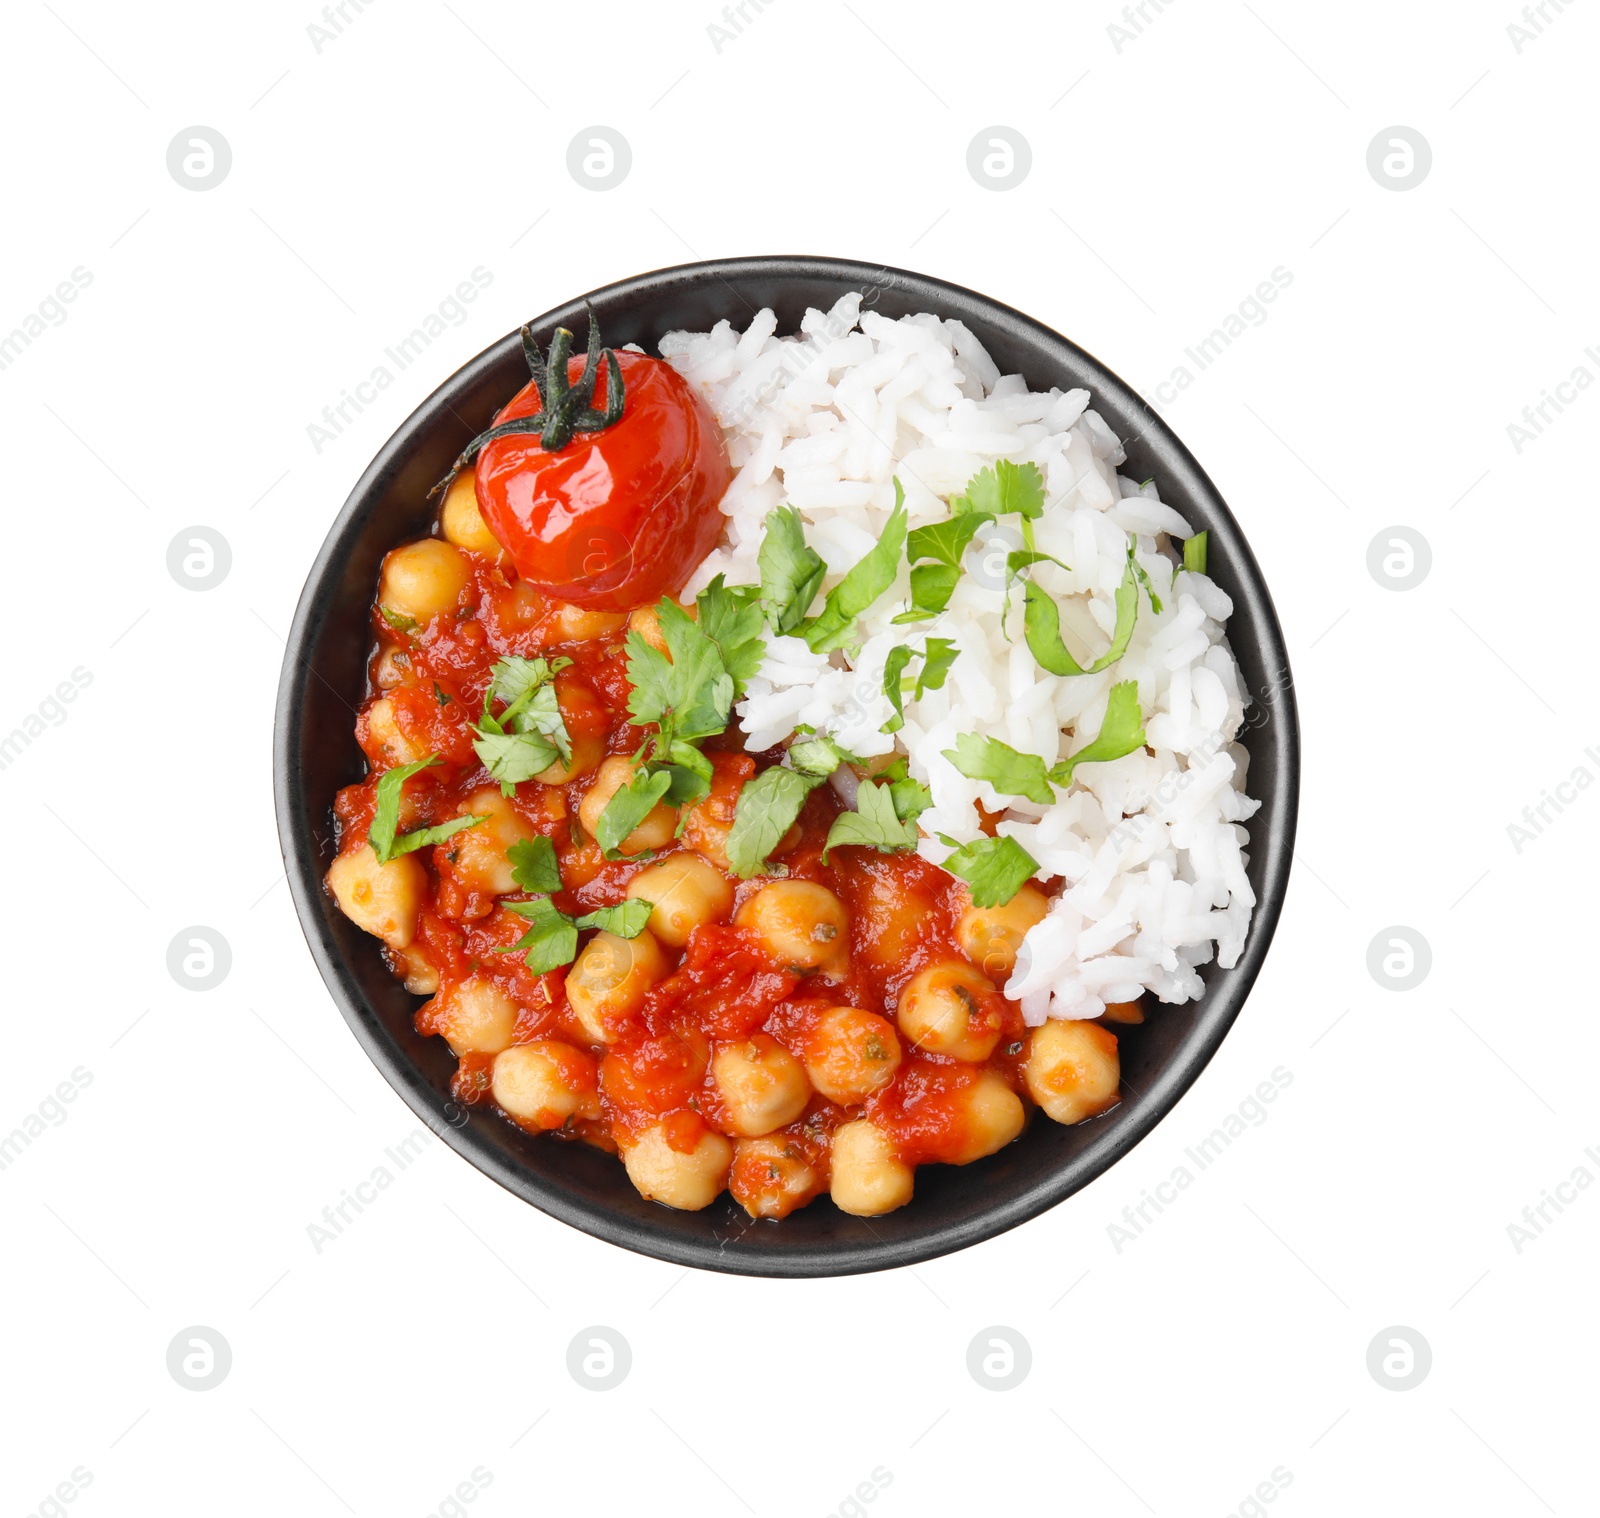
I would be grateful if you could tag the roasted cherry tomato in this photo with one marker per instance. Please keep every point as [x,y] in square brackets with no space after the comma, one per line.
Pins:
[620,512]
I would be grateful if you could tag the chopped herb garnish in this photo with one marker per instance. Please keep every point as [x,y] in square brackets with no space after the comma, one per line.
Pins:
[1194,553]
[768,807]
[529,735]
[1009,771]
[534,867]
[627,920]
[874,824]
[893,668]
[386,816]
[819,755]
[945,543]
[732,619]
[911,797]
[552,937]
[1002,488]
[1121,732]
[1017,774]
[835,625]
[995,869]
[628,807]
[937,657]
[686,692]
[1041,621]
[440,695]
[399,620]
[791,571]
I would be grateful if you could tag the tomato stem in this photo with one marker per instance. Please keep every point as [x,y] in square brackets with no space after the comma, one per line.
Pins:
[564,408]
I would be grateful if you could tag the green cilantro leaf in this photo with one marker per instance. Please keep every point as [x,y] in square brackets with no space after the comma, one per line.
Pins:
[911,797]
[791,571]
[399,620]
[628,807]
[1010,772]
[945,543]
[820,756]
[835,625]
[875,824]
[1041,623]
[512,758]
[1194,553]
[686,692]
[690,773]
[768,807]
[534,867]
[530,734]
[1004,487]
[440,695]
[995,869]
[733,620]
[514,680]
[386,816]
[626,920]
[937,657]
[893,668]
[552,937]
[1121,733]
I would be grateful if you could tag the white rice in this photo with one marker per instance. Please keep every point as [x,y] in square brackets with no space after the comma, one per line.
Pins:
[1149,847]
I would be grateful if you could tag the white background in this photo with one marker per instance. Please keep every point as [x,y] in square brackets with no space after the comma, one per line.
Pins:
[1169,177]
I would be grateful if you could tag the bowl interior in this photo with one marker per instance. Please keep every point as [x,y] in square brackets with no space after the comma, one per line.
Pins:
[316,753]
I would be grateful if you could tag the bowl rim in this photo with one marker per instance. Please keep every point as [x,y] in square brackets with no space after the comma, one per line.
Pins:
[1273,839]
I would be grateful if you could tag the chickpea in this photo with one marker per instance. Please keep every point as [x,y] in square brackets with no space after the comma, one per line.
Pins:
[394,668]
[610,980]
[940,1011]
[386,744]
[771,1176]
[802,925]
[475,1017]
[480,862]
[686,892]
[850,1053]
[383,899]
[659,825]
[546,1083]
[1072,1069]
[419,975]
[461,521]
[990,1114]
[566,623]
[664,1173]
[762,1085]
[869,1178]
[423,579]
[991,936]
[646,621]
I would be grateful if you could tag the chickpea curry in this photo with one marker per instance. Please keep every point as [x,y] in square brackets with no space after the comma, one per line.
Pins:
[631,932]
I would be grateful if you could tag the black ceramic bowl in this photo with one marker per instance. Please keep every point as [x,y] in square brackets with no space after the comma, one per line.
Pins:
[324,672]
